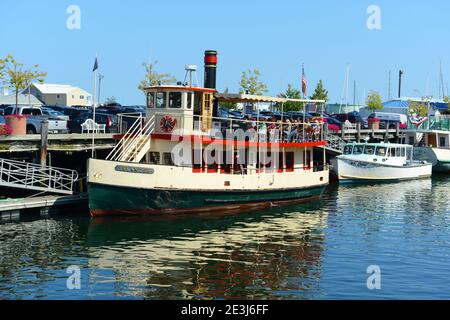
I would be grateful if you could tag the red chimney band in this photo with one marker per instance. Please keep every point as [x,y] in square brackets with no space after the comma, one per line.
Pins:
[210,57]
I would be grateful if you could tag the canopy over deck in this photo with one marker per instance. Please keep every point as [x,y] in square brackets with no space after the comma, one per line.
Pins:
[230,97]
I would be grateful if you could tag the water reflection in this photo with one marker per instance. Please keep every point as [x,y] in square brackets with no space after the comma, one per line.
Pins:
[315,250]
[248,256]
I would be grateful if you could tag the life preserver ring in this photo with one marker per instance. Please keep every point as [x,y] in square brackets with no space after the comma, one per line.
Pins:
[167,123]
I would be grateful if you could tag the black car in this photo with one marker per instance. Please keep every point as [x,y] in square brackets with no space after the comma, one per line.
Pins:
[76,116]
[352,117]
[110,121]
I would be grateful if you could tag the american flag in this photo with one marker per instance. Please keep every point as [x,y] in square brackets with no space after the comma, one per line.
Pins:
[303,81]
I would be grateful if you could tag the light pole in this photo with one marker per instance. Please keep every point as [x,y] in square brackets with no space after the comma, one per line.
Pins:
[400,74]
[100,78]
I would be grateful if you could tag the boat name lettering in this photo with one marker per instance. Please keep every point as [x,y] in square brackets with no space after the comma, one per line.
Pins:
[135,169]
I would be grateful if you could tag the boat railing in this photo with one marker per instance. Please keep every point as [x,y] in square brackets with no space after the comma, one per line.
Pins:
[264,131]
[126,120]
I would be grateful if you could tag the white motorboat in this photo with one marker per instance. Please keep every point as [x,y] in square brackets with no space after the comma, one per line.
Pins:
[379,162]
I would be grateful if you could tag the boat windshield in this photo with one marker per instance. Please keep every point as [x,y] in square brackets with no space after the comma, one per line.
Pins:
[348,149]
[358,149]
[381,151]
[369,150]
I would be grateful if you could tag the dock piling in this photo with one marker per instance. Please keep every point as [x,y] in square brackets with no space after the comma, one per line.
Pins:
[44,142]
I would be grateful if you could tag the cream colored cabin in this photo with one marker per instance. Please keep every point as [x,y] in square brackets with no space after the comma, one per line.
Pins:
[188,112]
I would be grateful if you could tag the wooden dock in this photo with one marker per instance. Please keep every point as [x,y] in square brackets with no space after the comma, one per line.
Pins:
[75,142]
[43,205]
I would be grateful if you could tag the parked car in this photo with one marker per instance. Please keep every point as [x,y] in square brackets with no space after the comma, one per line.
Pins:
[53,114]
[76,116]
[110,121]
[34,121]
[352,117]
[297,115]
[390,119]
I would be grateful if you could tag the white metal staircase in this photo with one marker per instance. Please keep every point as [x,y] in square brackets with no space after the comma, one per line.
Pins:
[135,143]
[30,176]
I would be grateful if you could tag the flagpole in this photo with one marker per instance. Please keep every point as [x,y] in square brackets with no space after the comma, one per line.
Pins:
[93,106]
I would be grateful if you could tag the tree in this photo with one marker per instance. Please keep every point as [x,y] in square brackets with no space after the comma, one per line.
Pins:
[291,93]
[250,83]
[320,93]
[419,108]
[110,100]
[2,67]
[374,101]
[19,77]
[153,78]
[228,105]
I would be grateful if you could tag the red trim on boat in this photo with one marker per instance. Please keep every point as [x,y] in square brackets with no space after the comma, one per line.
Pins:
[199,210]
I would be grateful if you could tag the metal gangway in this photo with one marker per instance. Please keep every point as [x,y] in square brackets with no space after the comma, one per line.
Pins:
[30,176]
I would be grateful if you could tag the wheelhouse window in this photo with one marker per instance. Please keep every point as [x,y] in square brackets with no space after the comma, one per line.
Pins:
[189,100]
[369,150]
[392,152]
[175,100]
[348,149]
[150,100]
[358,149]
[403,152]
[381,151]
[161,100]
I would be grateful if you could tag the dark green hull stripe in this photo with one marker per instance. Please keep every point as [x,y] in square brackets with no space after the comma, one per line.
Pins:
[104,197]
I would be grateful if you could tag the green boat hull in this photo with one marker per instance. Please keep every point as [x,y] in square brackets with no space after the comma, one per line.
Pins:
[113,200]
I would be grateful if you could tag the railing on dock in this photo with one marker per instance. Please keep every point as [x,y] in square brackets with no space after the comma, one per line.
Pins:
[30,176]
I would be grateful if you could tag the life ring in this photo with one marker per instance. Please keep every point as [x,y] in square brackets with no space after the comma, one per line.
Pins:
[167,123]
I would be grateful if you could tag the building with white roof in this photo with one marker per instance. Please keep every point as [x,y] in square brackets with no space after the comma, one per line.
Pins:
[60,94]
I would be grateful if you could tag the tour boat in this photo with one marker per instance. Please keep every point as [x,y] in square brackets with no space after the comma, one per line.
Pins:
[379,162]
[182,159]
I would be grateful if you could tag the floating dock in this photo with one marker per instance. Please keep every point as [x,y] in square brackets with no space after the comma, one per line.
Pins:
[43,205]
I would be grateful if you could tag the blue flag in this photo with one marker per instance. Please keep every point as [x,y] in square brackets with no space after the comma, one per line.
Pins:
[95,65]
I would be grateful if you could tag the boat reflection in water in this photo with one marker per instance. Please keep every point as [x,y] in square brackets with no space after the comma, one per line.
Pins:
[257,255]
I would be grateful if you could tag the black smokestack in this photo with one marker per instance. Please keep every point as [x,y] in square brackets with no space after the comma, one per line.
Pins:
[210,69]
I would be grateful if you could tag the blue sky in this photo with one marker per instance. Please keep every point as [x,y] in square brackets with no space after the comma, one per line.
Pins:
[274,36]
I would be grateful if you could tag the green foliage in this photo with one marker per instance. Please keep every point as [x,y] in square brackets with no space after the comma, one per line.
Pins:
[374,101]
[18,77]
[228,105]
[291,93]
[153,78]
[447,99]
[2,67]
[320,93]
[251,84]
[418,108]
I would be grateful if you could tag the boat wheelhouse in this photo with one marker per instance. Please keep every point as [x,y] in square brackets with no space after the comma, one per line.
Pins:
[379,162]
[182,158]
[431,139]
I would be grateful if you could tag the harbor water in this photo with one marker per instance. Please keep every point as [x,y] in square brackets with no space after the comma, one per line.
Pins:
[320,250]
